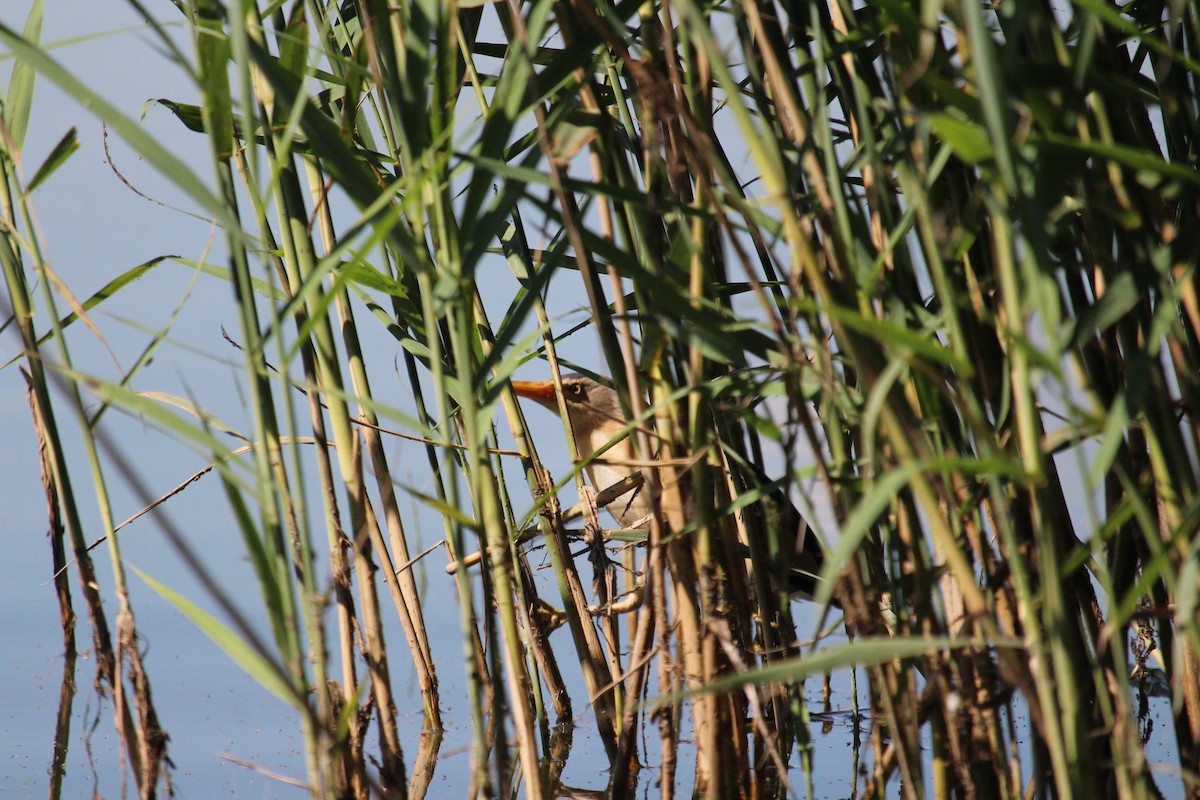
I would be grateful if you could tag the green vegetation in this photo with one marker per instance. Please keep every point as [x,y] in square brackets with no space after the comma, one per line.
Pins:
[935,254]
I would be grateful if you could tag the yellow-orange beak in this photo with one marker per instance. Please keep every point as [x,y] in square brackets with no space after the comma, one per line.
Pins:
[542,391]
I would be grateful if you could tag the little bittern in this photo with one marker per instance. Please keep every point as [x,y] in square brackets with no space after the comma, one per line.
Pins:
[597,419]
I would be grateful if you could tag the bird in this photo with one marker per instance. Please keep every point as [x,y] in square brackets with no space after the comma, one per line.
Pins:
[597,419]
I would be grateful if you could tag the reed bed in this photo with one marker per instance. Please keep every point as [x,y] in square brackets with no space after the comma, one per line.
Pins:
[931,267]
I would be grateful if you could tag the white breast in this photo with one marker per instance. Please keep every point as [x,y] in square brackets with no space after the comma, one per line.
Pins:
[610,468]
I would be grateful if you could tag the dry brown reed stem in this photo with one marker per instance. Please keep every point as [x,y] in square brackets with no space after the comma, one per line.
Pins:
[353,764]
[597,677]
[424,764]
[62,588]
[109,661]
[520,691]
[540,621]
[352,774]
[668,670]
[402,586]
[514,595]
[537,618]
[408,604]
[292,269]
[595,667]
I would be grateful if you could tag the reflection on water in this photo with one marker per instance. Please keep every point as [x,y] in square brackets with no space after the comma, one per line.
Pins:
[239,742]
[227,735]
[230,737]
[62,727]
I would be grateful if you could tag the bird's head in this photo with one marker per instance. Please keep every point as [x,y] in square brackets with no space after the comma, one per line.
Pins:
[592,406]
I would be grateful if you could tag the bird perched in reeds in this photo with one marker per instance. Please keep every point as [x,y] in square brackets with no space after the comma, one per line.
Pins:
[597,419]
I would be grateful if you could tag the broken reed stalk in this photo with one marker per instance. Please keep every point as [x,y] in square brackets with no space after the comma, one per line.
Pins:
[134,715]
